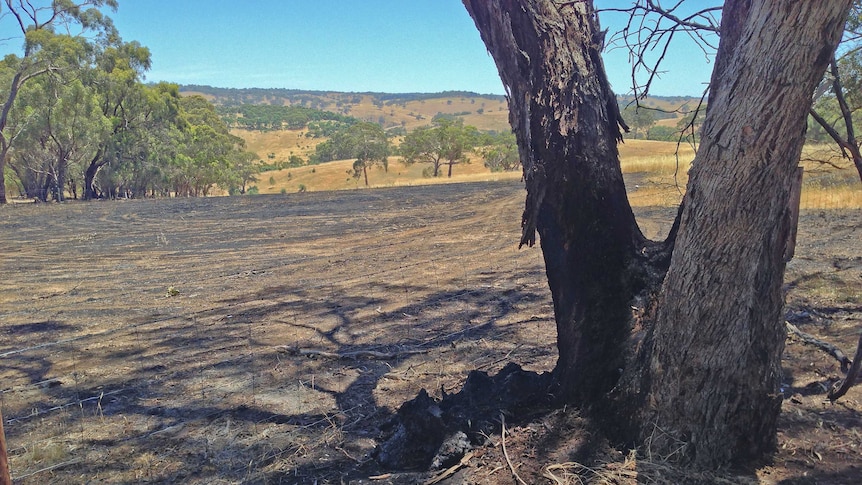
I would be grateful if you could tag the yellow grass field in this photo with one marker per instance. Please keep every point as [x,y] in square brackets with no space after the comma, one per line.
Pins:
[494,113]
[661,168]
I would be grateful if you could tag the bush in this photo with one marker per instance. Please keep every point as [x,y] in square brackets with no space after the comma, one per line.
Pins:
[663,133]
[253,190]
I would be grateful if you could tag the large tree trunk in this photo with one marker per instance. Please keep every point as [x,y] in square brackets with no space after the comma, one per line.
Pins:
[718,336]
[90,175]
[704,381]
[565,118]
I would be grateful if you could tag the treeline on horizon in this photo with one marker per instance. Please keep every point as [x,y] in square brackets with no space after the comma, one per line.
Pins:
[237,96]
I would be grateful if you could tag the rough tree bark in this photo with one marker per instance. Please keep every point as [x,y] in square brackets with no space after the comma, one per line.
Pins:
[702,383]
[718,336]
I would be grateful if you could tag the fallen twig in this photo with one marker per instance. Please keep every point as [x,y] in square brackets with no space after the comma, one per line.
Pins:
[356,354]
[506,453]
[824,346]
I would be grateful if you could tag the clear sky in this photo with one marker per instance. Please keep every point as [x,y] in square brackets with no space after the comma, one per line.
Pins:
[339,45]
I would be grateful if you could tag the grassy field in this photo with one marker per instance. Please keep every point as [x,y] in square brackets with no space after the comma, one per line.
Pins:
[661,169]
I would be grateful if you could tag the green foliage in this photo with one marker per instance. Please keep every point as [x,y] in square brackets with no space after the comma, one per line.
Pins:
[663,133]
[502,154]
[324,129]
[349,141]
[369,144]
[271,117]
[48,52]
[446,142]
[640,119]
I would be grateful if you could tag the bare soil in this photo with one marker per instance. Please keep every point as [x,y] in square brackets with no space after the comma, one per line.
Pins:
[271,339]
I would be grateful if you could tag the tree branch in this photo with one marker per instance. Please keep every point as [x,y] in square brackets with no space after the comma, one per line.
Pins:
[371,354]
[852,375]
[830,349]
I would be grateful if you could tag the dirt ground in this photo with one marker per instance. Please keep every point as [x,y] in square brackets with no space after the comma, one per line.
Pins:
[270,339]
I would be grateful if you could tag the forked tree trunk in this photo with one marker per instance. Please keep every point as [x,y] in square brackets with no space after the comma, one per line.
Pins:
[704,381]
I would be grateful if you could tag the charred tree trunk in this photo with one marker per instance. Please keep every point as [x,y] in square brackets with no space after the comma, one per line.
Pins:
[704,381]
[567,123]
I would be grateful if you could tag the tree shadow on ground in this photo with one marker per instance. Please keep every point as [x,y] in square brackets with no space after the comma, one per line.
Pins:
[174,367]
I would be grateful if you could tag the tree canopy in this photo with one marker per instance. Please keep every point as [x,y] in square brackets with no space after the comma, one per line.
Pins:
[446,142]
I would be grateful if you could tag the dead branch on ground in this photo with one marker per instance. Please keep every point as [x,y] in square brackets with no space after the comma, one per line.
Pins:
[356,354]
[851,377]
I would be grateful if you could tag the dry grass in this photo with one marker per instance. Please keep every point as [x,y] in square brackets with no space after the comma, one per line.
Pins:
[339,176]
[662,168]
[281,144]
[494,116]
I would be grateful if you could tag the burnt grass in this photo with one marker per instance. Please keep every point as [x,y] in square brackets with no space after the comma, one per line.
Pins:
[273,339]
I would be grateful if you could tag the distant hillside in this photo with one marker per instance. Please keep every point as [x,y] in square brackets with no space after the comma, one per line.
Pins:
[407,110]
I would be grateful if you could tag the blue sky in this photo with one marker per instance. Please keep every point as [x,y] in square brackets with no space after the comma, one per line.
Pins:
[340,45]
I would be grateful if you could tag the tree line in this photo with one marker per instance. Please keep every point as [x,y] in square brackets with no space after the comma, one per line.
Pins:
[78,119]
[266,117]
[446,142]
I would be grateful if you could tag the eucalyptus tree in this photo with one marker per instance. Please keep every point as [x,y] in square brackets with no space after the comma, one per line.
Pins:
[836,111]
[369,145]
[39,25]
[445,142]
[125,103]
[135,160]
[207,151]
[61,127]
[675,342]
[501,155]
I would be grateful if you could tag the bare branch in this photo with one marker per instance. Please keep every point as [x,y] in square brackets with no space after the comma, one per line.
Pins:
[852,375]
[830,349]
[687,22]
[651,28]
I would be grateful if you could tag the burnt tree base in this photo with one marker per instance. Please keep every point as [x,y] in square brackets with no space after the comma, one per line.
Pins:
[432,434]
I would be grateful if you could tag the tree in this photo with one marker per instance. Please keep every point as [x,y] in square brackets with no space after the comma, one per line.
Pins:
[697,366]
[61,127]
[502,155]
[641,120]
[207,152]
[124,101]
[369,145]
[38,24]
[447,141]
[841,94]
